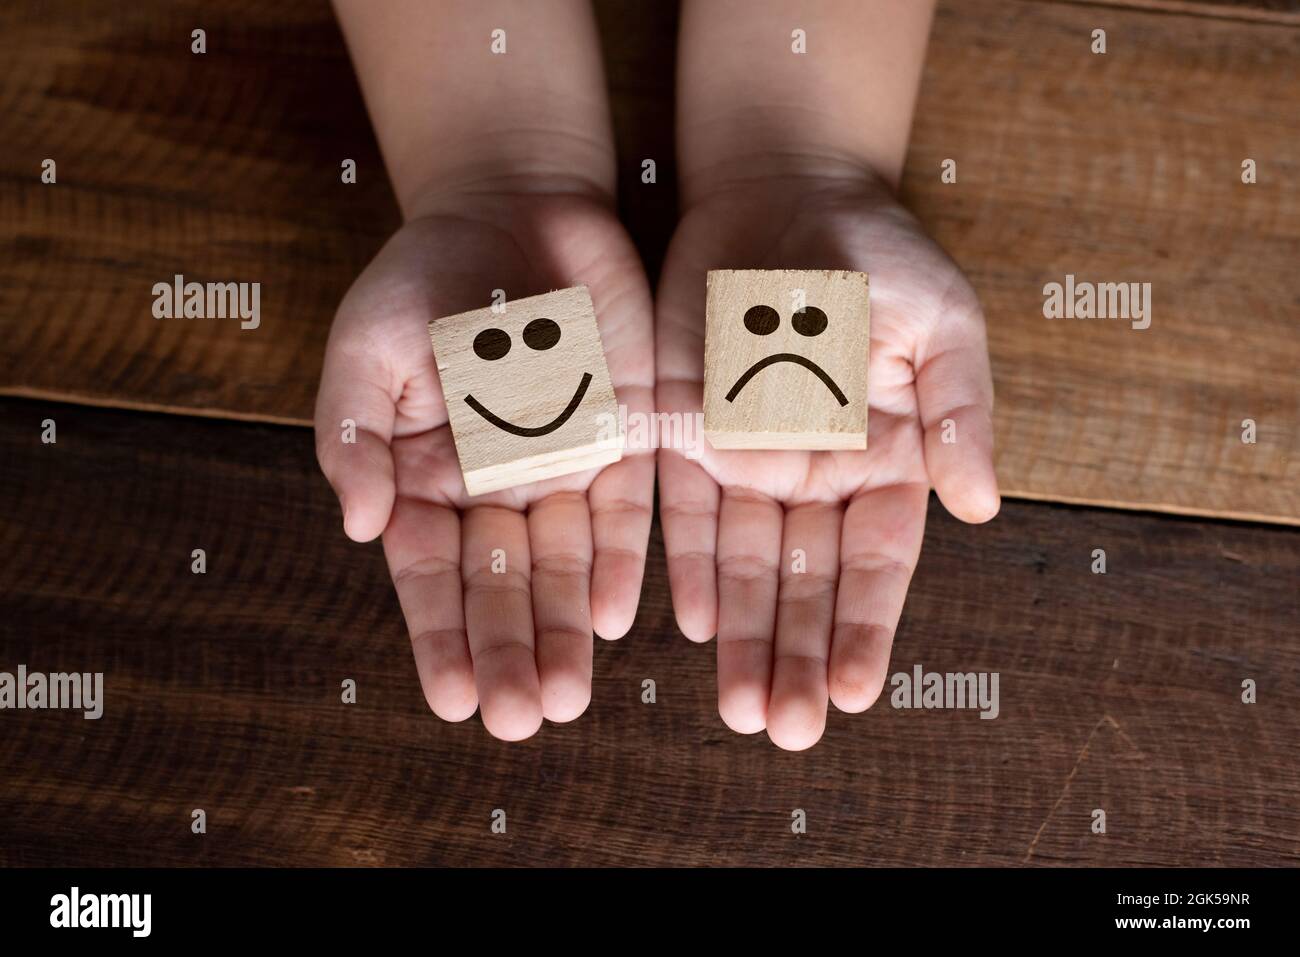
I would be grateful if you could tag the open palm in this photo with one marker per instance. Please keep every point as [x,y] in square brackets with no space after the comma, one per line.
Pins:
[516,644]
[792,635]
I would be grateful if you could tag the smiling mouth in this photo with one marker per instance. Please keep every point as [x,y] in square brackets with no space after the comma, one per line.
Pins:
[533,432]
[808,364]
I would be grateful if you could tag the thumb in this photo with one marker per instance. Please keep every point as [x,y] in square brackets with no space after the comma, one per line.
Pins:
[955,394]
[354,425]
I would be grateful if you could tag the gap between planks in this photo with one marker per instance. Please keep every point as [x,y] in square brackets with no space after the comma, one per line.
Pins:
[253,418]
[1241,12]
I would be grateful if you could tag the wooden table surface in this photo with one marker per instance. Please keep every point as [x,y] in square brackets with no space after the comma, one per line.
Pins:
[1120,692]
[1123,167]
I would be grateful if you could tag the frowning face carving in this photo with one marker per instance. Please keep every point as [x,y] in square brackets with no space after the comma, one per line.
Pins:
[786,359]
[807,321]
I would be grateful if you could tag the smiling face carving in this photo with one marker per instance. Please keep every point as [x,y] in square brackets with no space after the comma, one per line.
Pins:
[540,334]
[786,359]
[527,390]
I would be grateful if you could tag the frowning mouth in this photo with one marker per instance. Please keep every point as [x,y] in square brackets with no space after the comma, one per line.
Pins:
[808,364]
[533,431]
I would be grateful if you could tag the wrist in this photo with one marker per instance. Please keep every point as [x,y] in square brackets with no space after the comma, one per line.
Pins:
[781,172]
[509,164]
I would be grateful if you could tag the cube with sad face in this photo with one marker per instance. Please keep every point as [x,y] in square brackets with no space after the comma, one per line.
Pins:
[527,389]
[785,359]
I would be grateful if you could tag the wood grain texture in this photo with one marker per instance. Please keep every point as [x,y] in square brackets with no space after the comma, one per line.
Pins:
[785,359]
[557,388]
[222,691]
[222,167]
[1123,167]
[1265,11]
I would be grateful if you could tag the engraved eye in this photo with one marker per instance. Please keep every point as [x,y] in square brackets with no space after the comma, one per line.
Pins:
[809,321]
[541,334]
[762,320]
[491,344]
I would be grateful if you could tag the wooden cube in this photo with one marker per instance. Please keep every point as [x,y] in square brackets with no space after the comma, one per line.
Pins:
[527,389]
[785,359]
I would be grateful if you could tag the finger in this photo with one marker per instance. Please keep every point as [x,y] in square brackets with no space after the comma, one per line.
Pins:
[422,545]
[879,546]
[810,564]
[688,517]
[354,425]
[749,547]
[621,500]
[559,537]
[496,568]
[954,389]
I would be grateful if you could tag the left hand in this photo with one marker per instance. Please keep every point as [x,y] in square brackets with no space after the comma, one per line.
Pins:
[789,642]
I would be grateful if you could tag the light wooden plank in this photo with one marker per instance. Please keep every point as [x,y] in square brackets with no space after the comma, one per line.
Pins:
[1126,167]
[1122,167]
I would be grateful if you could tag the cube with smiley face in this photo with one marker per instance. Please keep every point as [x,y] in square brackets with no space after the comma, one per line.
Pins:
[785,359]
[527,389]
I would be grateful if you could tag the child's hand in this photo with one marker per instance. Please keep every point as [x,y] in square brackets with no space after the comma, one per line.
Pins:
[518,644]
[731,520]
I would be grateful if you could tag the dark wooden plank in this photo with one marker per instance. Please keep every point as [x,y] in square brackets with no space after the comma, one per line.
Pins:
[639,40]
[1118,691]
